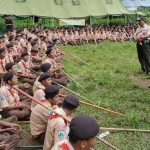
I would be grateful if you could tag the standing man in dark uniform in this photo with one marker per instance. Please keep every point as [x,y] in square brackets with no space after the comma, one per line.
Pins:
[8,24]
[143,49]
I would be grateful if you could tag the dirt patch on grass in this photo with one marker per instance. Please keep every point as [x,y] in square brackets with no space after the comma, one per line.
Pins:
[146,136]
[143,82]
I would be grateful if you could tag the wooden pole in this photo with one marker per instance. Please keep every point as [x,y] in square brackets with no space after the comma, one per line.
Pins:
[79,66]
[123,129]
[108,144]
[72,55]
[71,78]
[40,103]
[78,94]
[101,108]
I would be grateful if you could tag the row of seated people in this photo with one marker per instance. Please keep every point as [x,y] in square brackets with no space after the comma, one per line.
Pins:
[36,72]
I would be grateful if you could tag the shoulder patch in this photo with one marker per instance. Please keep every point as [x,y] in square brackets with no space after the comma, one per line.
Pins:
[61,132]
[49,112]
[2,98]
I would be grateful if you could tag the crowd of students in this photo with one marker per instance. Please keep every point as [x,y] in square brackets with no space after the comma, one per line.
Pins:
[30,60]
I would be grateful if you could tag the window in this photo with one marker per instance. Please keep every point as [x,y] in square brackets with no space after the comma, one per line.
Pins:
[58,2]
[76,2]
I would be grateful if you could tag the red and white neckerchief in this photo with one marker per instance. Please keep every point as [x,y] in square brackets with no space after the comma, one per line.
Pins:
[2,65]
[12,92]
[30,60]
[9,57]
[15,50]
[25,66]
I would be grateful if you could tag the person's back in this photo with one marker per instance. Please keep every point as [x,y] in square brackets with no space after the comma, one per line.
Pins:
[39,119]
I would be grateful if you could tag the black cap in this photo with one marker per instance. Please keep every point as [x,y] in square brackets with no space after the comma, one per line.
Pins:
[8,76]
[36,39]
[83,128]
[2,50]
[11,38]
[44,76]
[71,100]
[9,65]
[33,43]
[45,67]
[48,51]
[50,46]
[9,45]
[34,50]
[55,40]
[24,54]
[51,91]
[141,18]
[29,38]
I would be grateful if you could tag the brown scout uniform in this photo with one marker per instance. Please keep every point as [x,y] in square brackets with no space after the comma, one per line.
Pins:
[39,119]
[56,130]
[8,97]
[21,67]
[37,85]
[38,95]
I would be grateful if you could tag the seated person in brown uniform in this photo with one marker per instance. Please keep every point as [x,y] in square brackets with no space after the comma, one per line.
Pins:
[9,53]
[23,72]
[39,115]
[57,77]
[26,87]
[56,127]
[45,80]
[35,56]
[2,61]
[45,68]
[82,134]
[9,137]
[9,99]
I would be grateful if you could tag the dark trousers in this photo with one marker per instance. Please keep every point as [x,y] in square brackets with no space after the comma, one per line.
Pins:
[144,55]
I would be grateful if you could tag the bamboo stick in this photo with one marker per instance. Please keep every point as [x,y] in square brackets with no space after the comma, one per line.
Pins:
[80,66]
[71,78]
[124,129]
[108,144]
[40,103]
[101,108]
[72,55]
[78,94]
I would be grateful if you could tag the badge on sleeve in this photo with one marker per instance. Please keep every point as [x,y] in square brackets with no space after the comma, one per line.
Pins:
[18,66]
[61,132]
[2,97]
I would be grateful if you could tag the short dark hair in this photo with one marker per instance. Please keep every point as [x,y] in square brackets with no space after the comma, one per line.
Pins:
[72,140]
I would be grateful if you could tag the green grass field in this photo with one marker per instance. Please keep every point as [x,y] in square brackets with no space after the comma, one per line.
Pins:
[112,86]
